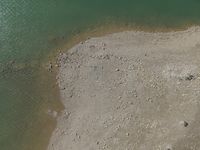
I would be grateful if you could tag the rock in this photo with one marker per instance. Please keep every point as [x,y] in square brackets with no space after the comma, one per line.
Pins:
[169,147]
[63,88]
[106,57]
[50,67]
[189,77]
[52,113]
[92,46]
[117,69]
[184,123]
[120,58]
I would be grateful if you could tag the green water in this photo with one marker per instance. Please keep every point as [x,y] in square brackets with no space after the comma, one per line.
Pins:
[31,29]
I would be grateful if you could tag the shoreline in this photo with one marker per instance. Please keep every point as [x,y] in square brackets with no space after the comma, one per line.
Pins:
[186,39]
[44,122]
[110,27]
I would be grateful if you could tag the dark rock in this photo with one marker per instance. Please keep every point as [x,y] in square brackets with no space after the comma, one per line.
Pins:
[117,69]
[189,77]
[92,46]
[50,67]
[184,123]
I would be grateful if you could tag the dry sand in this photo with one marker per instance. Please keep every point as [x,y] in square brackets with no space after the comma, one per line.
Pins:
[131,91]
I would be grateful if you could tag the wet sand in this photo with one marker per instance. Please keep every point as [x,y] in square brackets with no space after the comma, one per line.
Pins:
[131,90]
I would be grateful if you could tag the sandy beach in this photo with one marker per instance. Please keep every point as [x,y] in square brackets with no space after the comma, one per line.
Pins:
[131,90]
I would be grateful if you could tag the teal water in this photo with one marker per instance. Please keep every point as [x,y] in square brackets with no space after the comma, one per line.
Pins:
[31,29]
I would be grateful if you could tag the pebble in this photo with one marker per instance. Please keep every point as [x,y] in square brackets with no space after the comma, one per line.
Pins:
[50,67]
[127,134]
[63,88]
[106,57]
[67,113]
[92,46]
[184,123]
[119,97]
[54,114]
[120,58]
[169,147]
[130,103]
[190,77]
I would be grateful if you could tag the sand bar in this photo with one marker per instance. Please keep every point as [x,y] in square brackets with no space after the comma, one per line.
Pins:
[130,91]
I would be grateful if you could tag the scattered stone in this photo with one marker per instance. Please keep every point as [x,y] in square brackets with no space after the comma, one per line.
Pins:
[149,99]
[190,77]
[184,123]
[130,103]
[120,58]
[63,133]
[169,147]
[92,46]
[50,67]
[54,114]
[63,88]
[117,69]
[67,114]
[106,57]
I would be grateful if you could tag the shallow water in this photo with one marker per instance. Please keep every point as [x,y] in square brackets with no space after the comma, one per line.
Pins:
[31,29]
